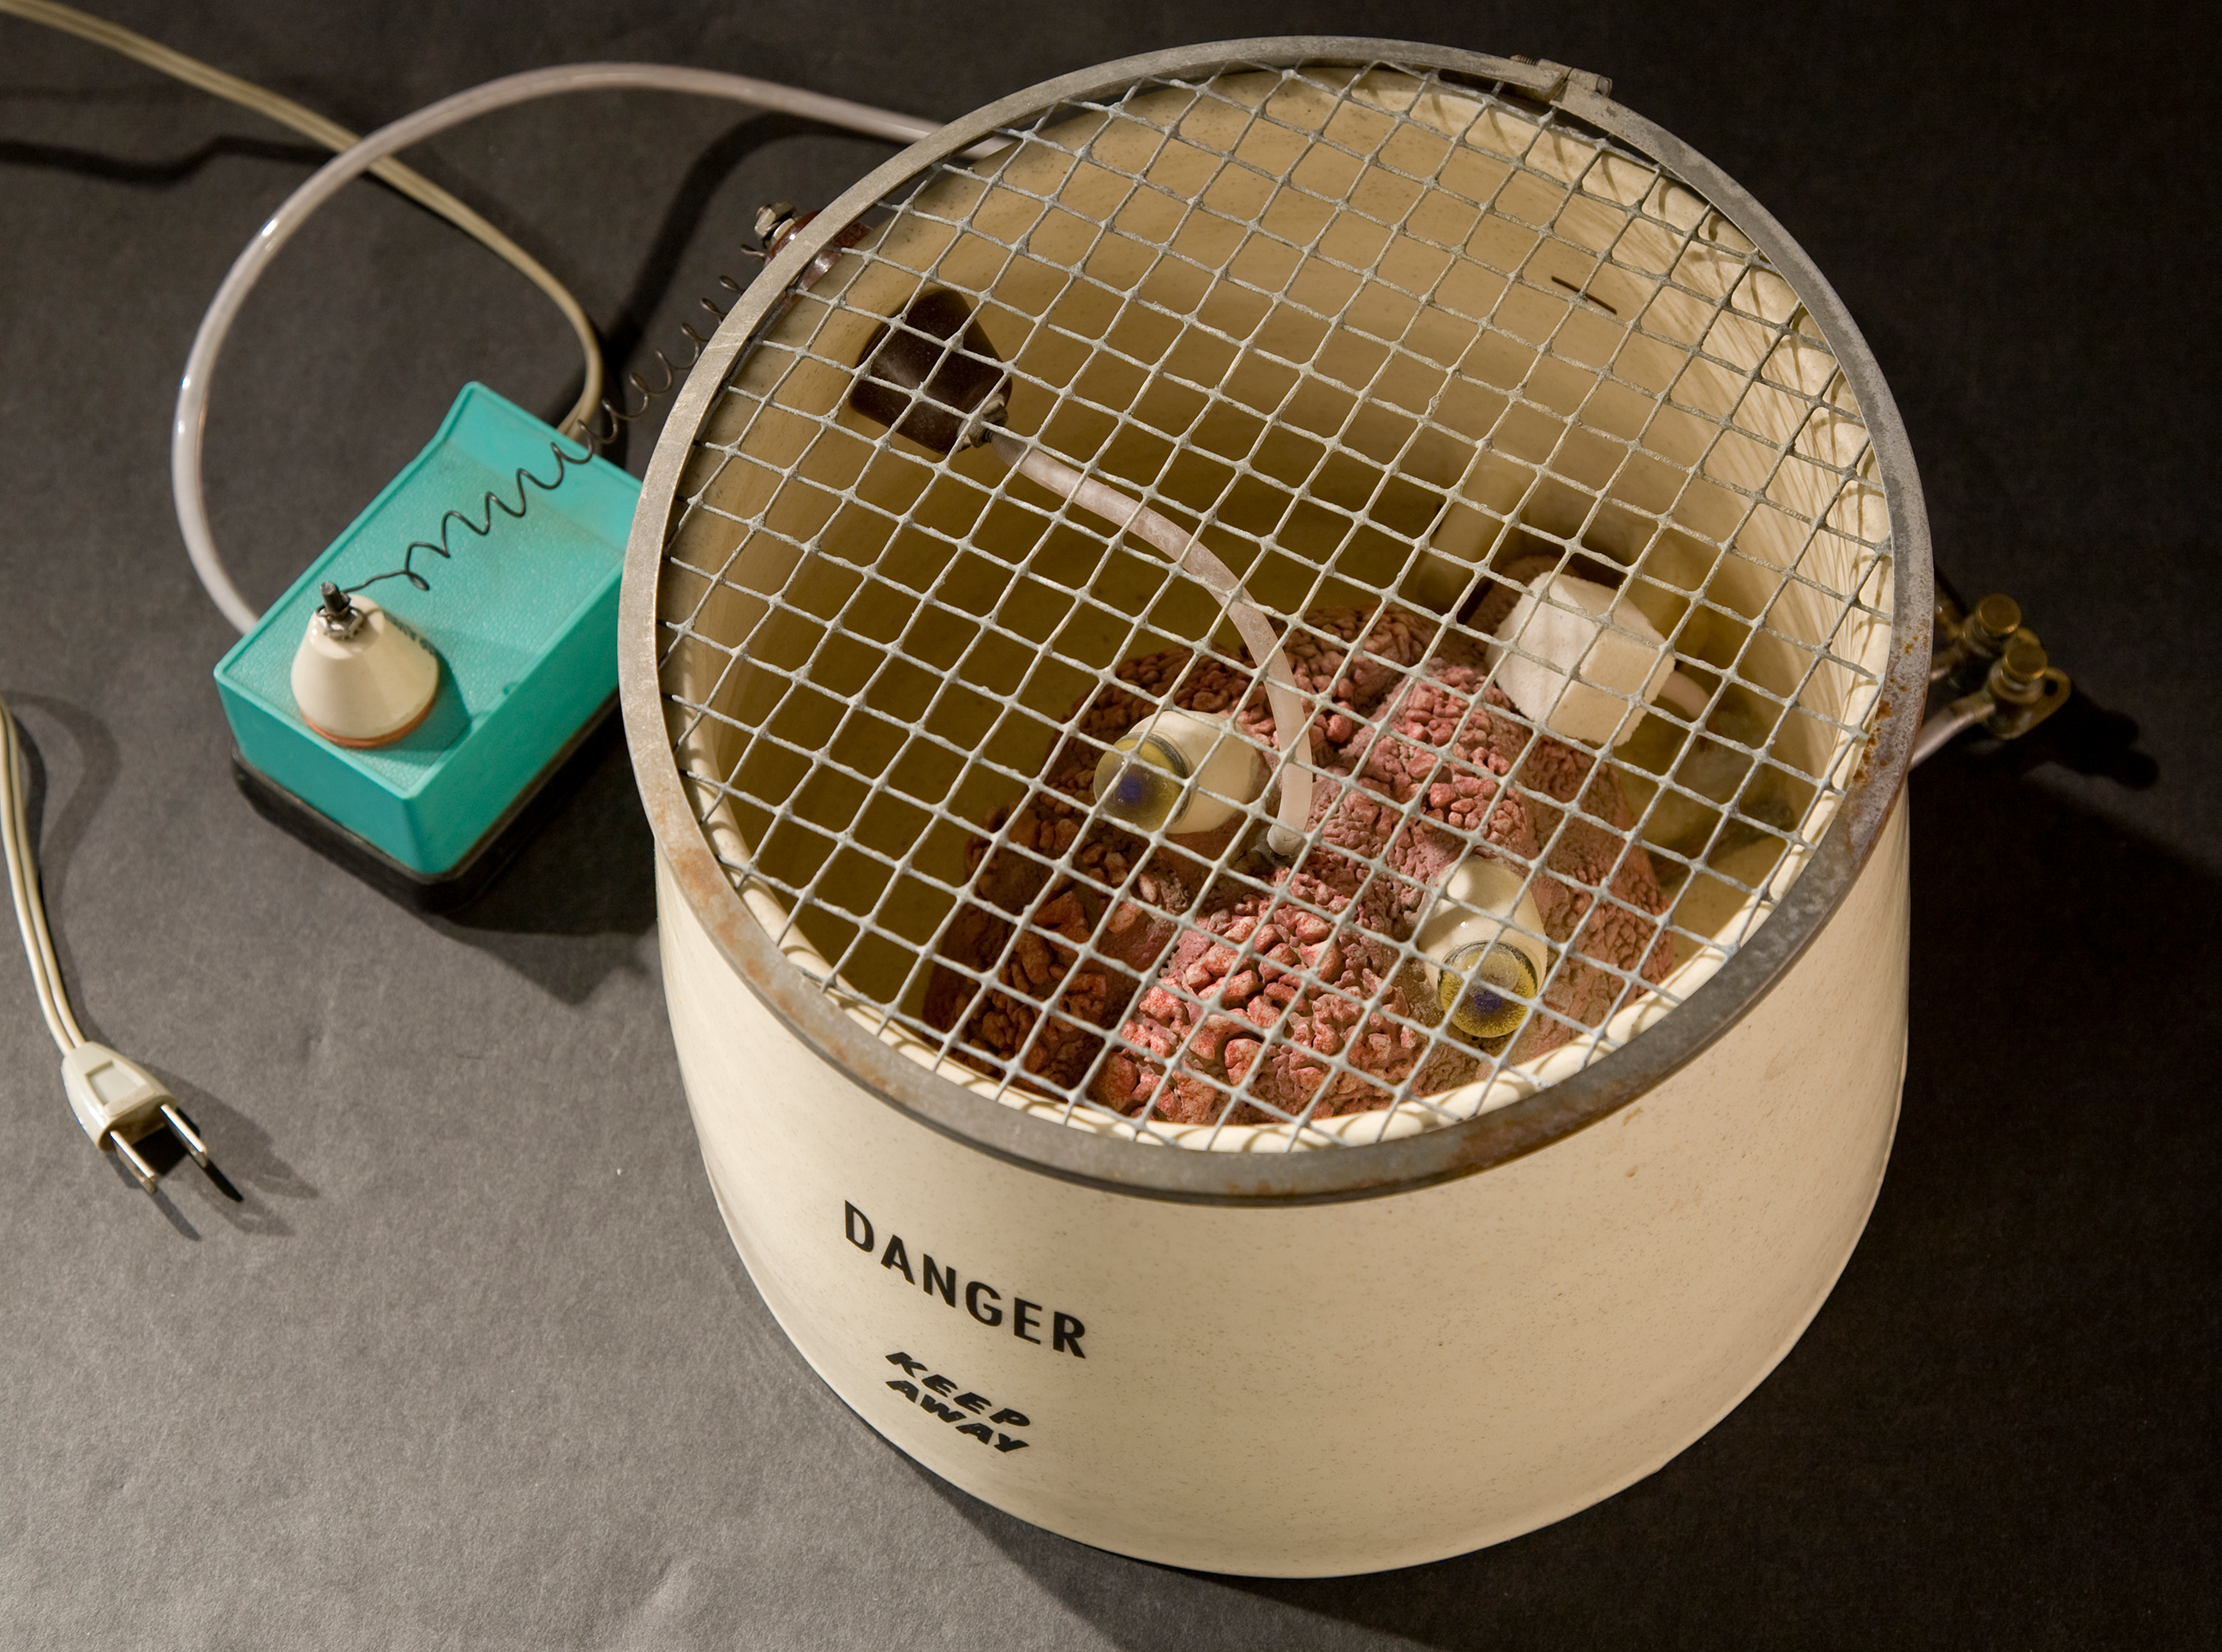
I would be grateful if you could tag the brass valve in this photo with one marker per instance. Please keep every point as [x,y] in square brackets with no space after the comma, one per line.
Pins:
[1995,671]
[1967,644]
[2025,686]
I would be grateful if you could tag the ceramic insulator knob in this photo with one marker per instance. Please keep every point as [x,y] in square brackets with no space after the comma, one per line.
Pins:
[1483,937]
[1580,659]
[368,687]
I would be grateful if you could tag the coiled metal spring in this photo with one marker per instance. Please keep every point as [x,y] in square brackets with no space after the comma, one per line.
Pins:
[592,440]
[613,418]
[489,503]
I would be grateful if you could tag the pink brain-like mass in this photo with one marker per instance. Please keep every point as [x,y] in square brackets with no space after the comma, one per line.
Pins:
[1206,989]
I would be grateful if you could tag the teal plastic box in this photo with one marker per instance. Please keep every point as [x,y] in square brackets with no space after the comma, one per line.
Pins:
[523,620]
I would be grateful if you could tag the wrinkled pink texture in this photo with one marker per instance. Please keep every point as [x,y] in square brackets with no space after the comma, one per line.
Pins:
[1200,977]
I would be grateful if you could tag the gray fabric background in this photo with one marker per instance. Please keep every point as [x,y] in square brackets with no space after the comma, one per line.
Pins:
[474,1364]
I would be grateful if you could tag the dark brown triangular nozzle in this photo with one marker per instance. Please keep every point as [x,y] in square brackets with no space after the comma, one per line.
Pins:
[934,377]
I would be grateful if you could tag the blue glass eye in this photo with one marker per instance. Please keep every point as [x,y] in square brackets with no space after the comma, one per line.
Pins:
[1133,791]
[1480,1006]
[1139,780]
[1485,989]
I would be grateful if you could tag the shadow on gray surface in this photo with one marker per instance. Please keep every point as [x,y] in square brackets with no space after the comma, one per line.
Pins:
[160,1198]
[2082,737]
[2044,1262]
[156,175]
[706,175]
[169,1160]
[569,911]
[243,1155]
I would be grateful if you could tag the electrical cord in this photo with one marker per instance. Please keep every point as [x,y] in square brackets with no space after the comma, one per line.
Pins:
[119,1103]
[186,431]
[23,886]
[285,112]
[373,155]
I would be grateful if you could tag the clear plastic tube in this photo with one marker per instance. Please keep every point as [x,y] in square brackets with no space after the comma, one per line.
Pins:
[186,431]
[1190,554]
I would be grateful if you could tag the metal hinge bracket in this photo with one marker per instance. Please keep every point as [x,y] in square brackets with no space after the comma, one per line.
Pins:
[1564,81]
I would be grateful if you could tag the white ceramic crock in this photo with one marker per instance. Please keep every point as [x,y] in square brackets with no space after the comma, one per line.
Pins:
[1304,1363]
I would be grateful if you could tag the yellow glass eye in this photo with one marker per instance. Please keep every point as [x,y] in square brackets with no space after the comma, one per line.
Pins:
[1139,780]
[1486,989]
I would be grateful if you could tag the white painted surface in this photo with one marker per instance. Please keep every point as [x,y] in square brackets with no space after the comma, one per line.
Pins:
[1336,1388]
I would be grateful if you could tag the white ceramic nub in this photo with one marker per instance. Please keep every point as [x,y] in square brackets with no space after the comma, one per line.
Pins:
[1164,753]
[1581,659]
[367,689]
[1484,903]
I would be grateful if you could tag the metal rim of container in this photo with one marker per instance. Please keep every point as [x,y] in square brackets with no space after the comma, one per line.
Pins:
[1441,1154]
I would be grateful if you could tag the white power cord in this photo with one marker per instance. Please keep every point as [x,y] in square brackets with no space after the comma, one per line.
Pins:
[186,431]
[23,885]
[373,155]
[117,1102]
[285,112]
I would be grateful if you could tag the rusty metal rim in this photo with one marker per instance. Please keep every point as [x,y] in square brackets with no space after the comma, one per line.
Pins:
[1330,1175]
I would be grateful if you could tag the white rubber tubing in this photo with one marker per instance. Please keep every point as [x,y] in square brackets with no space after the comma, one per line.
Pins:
[188,431]
[15,839]
[1194,558]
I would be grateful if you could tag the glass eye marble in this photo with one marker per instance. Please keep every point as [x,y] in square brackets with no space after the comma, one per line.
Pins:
[1485,989]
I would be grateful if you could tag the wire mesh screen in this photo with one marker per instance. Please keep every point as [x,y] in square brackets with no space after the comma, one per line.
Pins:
[1415,357]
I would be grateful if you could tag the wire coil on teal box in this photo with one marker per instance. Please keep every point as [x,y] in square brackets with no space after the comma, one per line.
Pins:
[524,619]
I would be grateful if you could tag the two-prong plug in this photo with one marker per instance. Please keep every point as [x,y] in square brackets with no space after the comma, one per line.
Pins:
[120,1103]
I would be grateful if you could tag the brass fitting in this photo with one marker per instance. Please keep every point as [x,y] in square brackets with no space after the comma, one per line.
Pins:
[2017,676]
[2025,685]
[1996,618]
[1965,644]
[1994,671]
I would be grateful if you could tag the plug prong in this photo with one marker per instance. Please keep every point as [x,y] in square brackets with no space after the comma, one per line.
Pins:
[182,1128]
[141,1171]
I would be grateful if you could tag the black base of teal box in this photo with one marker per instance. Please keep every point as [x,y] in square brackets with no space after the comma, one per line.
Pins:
[485,860]
[523,617]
